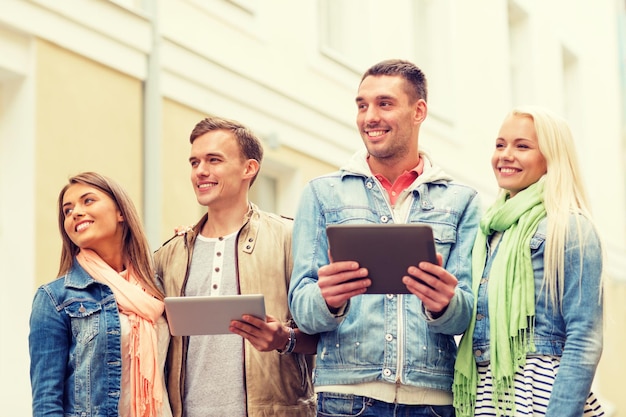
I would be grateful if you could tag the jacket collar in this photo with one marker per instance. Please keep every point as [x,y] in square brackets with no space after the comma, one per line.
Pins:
[77,277]
[357,165]
[247,235]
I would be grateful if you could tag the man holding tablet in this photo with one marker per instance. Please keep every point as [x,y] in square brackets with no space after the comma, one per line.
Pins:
[385,354]
[235,249]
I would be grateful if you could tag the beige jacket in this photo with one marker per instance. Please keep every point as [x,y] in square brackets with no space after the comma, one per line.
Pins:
[276,385]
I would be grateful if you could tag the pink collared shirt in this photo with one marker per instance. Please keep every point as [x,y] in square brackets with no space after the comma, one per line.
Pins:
[401,183]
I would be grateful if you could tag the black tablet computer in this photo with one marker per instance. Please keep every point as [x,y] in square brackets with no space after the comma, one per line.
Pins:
[386,250]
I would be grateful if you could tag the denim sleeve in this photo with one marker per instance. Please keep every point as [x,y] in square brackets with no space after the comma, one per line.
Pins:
[459,263]
[48,344]
[310,252]
[582,314]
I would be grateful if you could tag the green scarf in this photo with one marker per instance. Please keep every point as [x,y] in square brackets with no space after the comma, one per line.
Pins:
[511,294]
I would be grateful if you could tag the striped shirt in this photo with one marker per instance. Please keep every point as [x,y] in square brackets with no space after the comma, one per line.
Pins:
[533,385]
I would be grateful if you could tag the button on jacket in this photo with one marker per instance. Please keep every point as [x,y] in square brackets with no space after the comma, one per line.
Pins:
[383,337]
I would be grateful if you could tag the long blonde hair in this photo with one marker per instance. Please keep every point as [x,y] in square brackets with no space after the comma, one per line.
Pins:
[564,193]
[135,248]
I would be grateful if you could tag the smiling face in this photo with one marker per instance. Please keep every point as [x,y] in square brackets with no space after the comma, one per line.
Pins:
[517,162]
[92,220]
[387,120]
[219,174]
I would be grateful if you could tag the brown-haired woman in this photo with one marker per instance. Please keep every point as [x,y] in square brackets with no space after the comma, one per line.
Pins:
[98,338]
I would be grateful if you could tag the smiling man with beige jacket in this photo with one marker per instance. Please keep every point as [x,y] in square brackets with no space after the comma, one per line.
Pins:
[264,367]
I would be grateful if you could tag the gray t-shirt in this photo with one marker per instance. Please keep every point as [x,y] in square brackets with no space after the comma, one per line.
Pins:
[214,381]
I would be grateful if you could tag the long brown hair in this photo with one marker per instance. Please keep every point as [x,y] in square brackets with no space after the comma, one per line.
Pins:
[135,248]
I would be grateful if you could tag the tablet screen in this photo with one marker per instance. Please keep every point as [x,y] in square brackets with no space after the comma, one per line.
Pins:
[198,315]
[386,250]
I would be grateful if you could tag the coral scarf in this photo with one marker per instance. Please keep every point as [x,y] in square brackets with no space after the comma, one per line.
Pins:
[511,294]
[143,311]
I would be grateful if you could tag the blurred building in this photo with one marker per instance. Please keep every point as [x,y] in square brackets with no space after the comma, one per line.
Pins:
[116,86]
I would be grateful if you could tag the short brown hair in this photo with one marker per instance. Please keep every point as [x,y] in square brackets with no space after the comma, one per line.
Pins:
[417,87]
[249,144]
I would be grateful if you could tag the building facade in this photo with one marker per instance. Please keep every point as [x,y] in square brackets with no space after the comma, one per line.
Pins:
[116,86]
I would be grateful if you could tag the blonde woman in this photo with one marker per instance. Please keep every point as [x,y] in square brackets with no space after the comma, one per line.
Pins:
[98,338]
[536,334]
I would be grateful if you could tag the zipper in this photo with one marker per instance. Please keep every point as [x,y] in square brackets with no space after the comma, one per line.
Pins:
[185,339]
[243,342]
[400,338]
[400,300]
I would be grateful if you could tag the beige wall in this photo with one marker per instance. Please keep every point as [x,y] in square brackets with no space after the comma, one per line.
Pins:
[89,118]
[612,366]
[179,201]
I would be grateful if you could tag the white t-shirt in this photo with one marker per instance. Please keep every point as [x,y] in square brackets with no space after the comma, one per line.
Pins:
[214,374]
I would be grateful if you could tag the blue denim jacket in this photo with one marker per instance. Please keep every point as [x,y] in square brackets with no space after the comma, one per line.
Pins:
[383,337]
[74,345]
[573,333]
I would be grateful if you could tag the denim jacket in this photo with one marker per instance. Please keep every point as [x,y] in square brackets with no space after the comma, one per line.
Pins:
[74,345]
[383,337]
[573,333]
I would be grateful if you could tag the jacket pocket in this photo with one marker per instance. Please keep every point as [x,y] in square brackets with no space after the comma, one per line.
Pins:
[85,320]
[445,237]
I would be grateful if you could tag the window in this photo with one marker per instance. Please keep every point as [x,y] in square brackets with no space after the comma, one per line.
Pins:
[342,34]
[571,93]
[434,21]
[263,193]
[277,187]
[521,64]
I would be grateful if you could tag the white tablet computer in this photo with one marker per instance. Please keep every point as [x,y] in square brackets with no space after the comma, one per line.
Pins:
[200,315]
[386,250]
